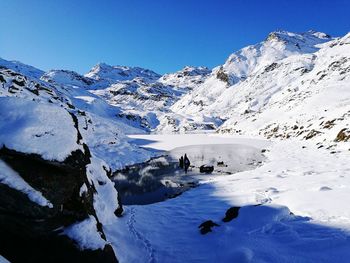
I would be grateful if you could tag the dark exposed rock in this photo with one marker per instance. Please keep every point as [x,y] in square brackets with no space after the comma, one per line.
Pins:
[206,226]
[33,233]
[231,213]
[271,67]
[206,169]
[119,211]
[343,135]
[19,82]
[329,124]
[76,126]
[312,134]
[221,75]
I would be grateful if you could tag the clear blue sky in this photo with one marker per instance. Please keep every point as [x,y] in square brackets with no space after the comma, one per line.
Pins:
[163,35]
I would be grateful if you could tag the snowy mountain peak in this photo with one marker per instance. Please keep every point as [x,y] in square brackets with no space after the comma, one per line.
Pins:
[24,69]
[188,77]
[113,74]
[320,35]
[310,37]
[66,77]
[278,45]
[194,71]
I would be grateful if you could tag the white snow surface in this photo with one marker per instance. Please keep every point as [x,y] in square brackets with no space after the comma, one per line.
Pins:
[85,234]
[302,193]
[12,179]
[167,142]
[40,128]
[106,197]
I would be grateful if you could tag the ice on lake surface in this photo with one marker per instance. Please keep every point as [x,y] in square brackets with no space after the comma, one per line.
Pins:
[235,157]
[161,178]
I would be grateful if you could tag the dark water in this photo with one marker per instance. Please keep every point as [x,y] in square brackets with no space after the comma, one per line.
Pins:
[152,181]
[161,178]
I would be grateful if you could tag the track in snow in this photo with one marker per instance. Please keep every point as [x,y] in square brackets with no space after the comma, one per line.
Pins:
[146,243]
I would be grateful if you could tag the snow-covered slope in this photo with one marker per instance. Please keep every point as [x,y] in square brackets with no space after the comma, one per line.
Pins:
[141,103]
[305,96]
[287,85]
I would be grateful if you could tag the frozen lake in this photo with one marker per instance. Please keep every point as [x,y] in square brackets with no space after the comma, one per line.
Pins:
[161,178]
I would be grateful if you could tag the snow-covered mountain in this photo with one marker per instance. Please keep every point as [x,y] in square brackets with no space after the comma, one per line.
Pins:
[141,103]
[287,85]
[106,75]
[67,77]
[24,69]
[186,78]
[142,95]
[144,100]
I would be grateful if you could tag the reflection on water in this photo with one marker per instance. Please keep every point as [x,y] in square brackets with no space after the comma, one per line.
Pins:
[161,178]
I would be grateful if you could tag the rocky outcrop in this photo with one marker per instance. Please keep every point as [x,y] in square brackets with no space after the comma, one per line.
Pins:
[33,233]
[221,75]
[343,135]
[231,213]
[207,226]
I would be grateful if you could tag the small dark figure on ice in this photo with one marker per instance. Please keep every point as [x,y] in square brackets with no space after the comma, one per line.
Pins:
[187,163]
[181,162]
[184,162]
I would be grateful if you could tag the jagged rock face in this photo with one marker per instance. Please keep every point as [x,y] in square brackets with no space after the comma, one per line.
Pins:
[33,233]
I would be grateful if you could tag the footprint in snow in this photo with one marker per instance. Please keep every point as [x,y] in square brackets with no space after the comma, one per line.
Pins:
[280,176]
[325,188]
[272,190]
[262,197]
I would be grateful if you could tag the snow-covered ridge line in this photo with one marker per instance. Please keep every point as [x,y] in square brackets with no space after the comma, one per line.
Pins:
[24,69]
[286,86]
